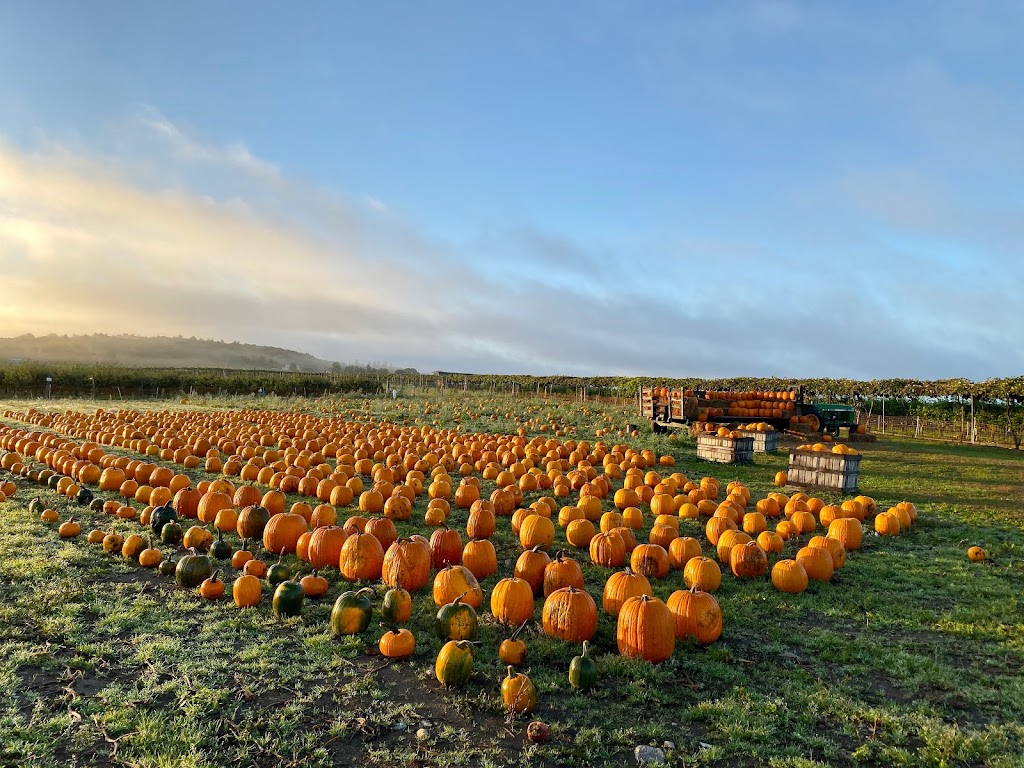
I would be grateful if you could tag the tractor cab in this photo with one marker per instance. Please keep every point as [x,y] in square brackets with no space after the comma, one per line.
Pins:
[833,416]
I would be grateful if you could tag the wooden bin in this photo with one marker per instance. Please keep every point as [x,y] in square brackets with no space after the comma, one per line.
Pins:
[814,469]
[725,450]
[764,442]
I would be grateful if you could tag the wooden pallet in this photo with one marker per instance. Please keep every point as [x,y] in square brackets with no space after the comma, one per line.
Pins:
[725,450]
[816,469]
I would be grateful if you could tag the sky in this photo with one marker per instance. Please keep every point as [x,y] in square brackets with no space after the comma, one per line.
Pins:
[763,188]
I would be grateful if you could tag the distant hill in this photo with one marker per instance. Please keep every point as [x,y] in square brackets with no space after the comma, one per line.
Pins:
[166,352]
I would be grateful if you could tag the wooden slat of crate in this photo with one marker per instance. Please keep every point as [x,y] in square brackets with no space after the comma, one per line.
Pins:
[814,469]
[764,442]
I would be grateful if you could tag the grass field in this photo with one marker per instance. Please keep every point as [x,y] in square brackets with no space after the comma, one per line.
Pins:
[912,655]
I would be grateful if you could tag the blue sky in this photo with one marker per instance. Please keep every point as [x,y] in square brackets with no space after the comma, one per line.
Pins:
[748,188]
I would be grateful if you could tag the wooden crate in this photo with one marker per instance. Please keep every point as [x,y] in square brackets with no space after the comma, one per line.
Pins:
[764,442]
[725,450]
[834,471]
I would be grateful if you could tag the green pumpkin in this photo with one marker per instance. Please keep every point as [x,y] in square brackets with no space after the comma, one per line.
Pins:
[351,612]
[53,481]
[454,663]
[44,476]
[84,497]
[583,670]
[193,569]
[171,533]
[279,572]
[161,517]
[36,506]
[96,505]
[396,606]
[456,621]
[33,476]
[220,549]
[167,567]
[288,599]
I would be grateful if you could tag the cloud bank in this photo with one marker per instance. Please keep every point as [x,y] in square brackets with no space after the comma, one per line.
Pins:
[170,234]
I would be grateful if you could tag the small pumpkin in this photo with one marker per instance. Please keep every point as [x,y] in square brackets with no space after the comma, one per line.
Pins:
[397,643]
[167,567]
[241,556]
[252,521]
[454,663]
[113,542]
[132,547]
[212,588]
[696,614]
[220,549]
[288,599]
[197,537]
[512,601]
[512,649]
[314,585]
[396,607]
[621,586]
[518,693]
[789,576]
[69,529]
[171,533]
[49,516]
[352,612]
[192,569]
[161,516]
[96,536]
[150,557]
[456,580]
[279,572]
[530,568]
[583,670]
[975,554]
[456,621]
[247,591]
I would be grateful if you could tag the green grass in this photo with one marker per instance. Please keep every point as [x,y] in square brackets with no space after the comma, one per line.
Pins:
[911,656]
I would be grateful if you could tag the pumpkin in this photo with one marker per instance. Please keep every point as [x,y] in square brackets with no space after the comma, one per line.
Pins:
[456,621]
[562,572]
[646,629]
[887,524]
[247,591]
[186,503]
[977,554]
[167,567]
[288,599]
[716,526]
[352,612]
[681,550]
[220,549]
[161,516]
[512,601]
[383,528]
[583,670]
[197,537]
[445,547]
[150,557]
[397,644]
[570,614]
[702,573]
[241,556]
[283,532]
[748,561]
[650,560]
[96,536]
[36,506]
[608,550]
[579,533]
[49,516]
[132,547]
[212,588]
[696,614]
[847,531]
[817,561]
[396,607]
[480,558]
[834,547]
[406,565]
[518,693]
[251,522]
[513,650]
[362,558]
[770,541]
[454,663]
[789,576]
[481,522]
[325,545]
[621,586]
[113,542]
[255,567]
[69,529]
[537,531]
[537,732]
[457,581]
[530,568]
[193,569]
[84,497]
[314,585]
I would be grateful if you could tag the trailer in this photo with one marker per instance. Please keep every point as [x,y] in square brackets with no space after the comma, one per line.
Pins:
[669,409]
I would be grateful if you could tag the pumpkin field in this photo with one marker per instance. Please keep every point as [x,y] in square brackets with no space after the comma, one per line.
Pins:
[488,580]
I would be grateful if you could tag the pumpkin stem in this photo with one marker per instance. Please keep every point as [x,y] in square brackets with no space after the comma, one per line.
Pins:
[519,629]
[511,673]
[213,579]
[586,649]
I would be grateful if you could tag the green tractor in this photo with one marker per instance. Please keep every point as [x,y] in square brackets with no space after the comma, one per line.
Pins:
[831,417]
